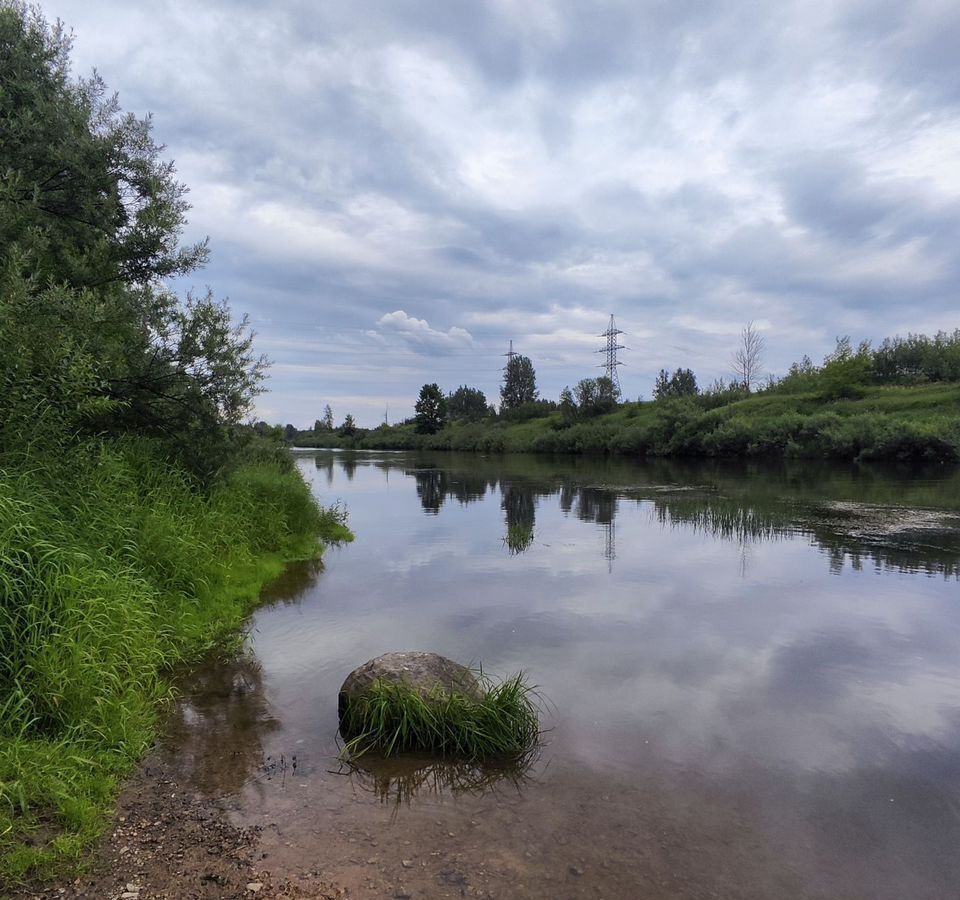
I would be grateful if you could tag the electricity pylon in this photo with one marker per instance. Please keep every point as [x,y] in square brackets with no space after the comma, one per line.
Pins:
[611,348]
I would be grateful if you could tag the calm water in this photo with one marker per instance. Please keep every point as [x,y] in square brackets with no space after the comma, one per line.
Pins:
[753,680]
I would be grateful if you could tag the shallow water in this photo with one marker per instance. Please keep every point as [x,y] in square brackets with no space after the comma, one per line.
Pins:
[752,676]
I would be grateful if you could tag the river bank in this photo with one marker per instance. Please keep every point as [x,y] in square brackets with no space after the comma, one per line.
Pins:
[166,841]
[883,423]
[118,571]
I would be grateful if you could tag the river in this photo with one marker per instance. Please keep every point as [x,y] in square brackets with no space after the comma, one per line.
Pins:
[750,679]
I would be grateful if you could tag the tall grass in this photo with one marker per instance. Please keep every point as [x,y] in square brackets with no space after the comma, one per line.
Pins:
[114,568]
[393,717]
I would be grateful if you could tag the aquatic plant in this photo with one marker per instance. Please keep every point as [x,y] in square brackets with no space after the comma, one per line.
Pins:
[392,718]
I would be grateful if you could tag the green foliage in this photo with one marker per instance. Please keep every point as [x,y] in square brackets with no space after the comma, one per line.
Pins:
[683,383]
[519,384]
[92,342]
[846,372]
[113,570]
[431,409]
[467,404]
[595,396]
[917,358]
[395,718]
[83,192]
[535,409]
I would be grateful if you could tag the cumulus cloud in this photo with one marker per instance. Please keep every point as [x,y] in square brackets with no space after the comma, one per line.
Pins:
[418,334]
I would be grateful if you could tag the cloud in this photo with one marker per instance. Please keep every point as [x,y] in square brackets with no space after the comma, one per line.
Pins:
[490,165]
[417,334]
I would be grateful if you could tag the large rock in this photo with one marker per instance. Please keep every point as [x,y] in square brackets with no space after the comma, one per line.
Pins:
[423,671]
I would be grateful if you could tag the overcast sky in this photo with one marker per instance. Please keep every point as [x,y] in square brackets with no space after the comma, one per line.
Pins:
[394,190]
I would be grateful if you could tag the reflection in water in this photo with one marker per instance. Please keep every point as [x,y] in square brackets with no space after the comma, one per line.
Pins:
[324,463]
[293,583]
[431,488]
[728,717]
[883,522]
[397,780]
[519,504]
[220,725]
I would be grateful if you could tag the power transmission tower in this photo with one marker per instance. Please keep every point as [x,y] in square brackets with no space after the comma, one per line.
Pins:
[510,354]
[610,350]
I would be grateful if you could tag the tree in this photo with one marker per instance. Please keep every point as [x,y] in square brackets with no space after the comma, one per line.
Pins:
[568,406]
[83,189]
[90,226]
[519,383]
[661,387]
[682,383]
[349,426]
[595,396]
[747,360]
[466,403]
[846,371]
[431,409]
[326,423]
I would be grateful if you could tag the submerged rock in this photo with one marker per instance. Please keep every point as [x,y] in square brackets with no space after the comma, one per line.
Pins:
[423,671]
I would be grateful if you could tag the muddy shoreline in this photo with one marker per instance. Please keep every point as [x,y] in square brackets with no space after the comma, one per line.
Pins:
[166,841]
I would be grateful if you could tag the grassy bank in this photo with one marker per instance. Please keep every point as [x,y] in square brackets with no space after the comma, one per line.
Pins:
[916,422]
[114,569]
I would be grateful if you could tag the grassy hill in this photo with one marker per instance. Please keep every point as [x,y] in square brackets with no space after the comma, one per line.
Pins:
[915,422]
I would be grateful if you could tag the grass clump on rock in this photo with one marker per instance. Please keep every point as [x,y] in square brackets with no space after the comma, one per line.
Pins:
[482,721]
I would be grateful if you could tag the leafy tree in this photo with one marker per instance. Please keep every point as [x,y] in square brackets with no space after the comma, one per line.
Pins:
[661,387]
[83,190]
[90,225]
[327,420]
[682,383]
[430,409]
[466,403]
[349,426]
[595,396]
[568,406]
[846,371]
[519,383]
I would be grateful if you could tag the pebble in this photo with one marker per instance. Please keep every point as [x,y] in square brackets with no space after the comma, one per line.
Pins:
[406,863]
[254,887]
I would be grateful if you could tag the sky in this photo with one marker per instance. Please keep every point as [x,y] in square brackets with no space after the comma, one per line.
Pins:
[395,190]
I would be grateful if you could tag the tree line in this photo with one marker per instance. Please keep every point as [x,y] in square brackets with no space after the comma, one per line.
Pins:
[844,373]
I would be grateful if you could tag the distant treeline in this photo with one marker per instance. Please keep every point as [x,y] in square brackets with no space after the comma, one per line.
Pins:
[900,401]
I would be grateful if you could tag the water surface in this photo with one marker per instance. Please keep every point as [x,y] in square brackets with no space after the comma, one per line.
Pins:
[753,679]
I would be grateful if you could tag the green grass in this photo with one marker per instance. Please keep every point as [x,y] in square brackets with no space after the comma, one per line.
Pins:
[114,570]
[896,423]
[393,718]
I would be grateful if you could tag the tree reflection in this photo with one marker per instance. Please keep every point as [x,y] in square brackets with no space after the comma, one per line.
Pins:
[324,463]
[519,504]
[432,487]
[854,513]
